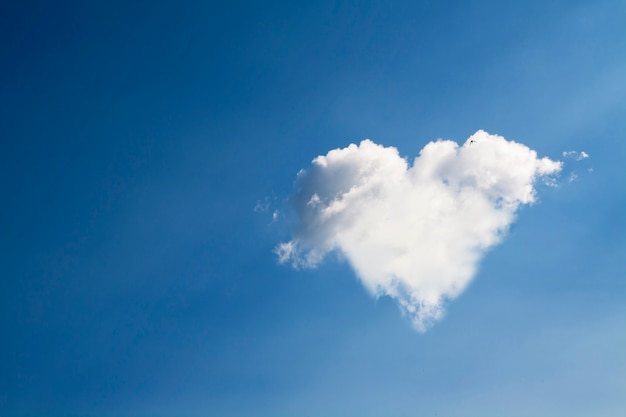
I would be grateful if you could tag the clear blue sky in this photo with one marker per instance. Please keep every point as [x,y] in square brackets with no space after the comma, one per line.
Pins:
[136,278]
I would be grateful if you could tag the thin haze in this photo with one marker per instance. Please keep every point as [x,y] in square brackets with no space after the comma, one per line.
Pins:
[414,233]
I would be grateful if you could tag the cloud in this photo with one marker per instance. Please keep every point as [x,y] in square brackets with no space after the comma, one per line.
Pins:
[262,206]
[414,232]
[579,156]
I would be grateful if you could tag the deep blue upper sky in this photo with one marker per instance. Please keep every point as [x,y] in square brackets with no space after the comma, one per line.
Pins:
[136,278]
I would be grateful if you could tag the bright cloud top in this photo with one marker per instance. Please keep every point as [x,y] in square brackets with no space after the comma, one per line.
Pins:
[415,233]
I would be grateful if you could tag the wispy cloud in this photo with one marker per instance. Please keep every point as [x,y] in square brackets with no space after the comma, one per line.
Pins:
[576,156]
[412,232]
[579,156]
[262,206]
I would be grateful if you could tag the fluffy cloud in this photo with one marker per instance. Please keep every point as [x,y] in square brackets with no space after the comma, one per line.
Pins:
[412,232]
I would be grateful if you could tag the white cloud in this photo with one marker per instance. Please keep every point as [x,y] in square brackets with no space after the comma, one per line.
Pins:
[414,232]
[264,206]
[579,156]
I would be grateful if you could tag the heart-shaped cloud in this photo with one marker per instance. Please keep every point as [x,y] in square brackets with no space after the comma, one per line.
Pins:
[415,233]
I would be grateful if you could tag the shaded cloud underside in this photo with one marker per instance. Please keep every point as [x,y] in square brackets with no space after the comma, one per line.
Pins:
[414,233]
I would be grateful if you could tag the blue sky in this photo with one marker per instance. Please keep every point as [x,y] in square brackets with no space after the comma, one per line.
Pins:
[137,279]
